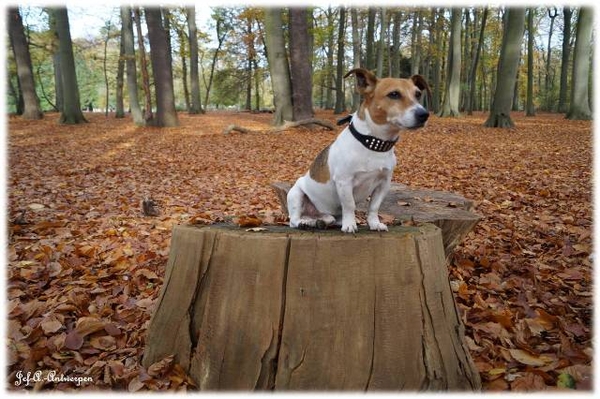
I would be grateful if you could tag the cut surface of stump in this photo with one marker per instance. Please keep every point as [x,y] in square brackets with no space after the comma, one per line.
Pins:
[449,211]
[286,309]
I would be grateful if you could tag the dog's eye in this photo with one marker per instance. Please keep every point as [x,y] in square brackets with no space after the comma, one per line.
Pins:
[394,95]
[418,95]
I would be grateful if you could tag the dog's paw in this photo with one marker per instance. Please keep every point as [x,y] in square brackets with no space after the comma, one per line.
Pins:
[349,228]
[378,226]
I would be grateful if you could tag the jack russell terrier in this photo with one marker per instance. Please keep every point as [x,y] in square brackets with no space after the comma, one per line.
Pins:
[360,162]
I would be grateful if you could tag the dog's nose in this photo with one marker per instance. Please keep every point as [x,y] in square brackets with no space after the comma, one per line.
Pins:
[422,115]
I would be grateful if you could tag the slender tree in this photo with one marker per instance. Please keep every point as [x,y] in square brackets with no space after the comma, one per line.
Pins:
[381,43]
[183,55]
[130,64]
[370,39]
[514,28]
[340,97]
[552,14]
[300,63]
[278,66]
[54,45]
[437,61]
[148,116]
[395,61]
[530,108]
[329,80]
[120,106]
[566,56]
[71,110]
[356,49]
[195,105]
[221,30]
[452,93]
[166,115]
[416,47]
[580,104]
[107,29]
[31,102]
[475,62]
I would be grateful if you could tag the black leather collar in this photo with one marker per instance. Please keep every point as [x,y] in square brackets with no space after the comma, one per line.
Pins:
[371,142]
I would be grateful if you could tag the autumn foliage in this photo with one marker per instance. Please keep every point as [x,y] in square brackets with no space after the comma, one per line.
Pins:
[86,261]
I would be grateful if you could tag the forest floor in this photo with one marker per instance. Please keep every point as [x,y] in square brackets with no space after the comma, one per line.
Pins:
[85,266]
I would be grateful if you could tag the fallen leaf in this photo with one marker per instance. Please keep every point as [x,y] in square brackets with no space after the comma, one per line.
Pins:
[88,325]
[528,382]
[526,358]
[161,366]
[51,325]
[249,221]
[73,340]
[565,380]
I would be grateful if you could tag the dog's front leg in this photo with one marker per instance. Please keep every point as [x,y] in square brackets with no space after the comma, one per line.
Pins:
[344,190]
[376,199]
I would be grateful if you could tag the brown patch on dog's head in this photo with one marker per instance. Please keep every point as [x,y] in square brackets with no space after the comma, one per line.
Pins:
[319,170]
[387,98]
[365,84]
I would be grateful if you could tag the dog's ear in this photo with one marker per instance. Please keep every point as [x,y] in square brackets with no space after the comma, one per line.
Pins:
[365,80]
[421,83]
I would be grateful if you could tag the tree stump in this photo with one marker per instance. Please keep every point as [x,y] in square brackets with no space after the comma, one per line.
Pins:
[286,309]
[449,211]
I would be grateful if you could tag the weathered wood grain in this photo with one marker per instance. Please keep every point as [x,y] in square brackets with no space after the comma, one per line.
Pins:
[286,309]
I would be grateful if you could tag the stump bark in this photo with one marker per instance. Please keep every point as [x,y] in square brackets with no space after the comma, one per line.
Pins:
[296,310]
[449,211]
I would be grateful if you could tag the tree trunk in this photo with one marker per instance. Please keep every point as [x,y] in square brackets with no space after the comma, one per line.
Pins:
[144,67]
[564,65]
[395,61]
[415,57]
[31,102]
[530,108]
[105,70]
[437,63]
[278,66]
[507,69]
[515,101]
[356,49]
[370,39]
[120,107]
[474,63]
[71,111]
[552,13]
[452,93]
[221,35]
[195,104]
[129,55]
[15,94]
[580,105]
[184,74]
[329,80]
[381,43]
[58,95]
[300,63]
[311,311]
[340,96]
[166,115]
[166,25]
[467,56]
[250,57]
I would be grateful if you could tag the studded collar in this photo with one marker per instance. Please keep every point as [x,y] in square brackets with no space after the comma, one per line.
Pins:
[370,142]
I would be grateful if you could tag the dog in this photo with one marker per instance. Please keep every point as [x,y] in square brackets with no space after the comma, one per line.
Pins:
[360,162]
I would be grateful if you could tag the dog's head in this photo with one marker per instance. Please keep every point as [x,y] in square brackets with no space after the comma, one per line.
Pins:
[392,101]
